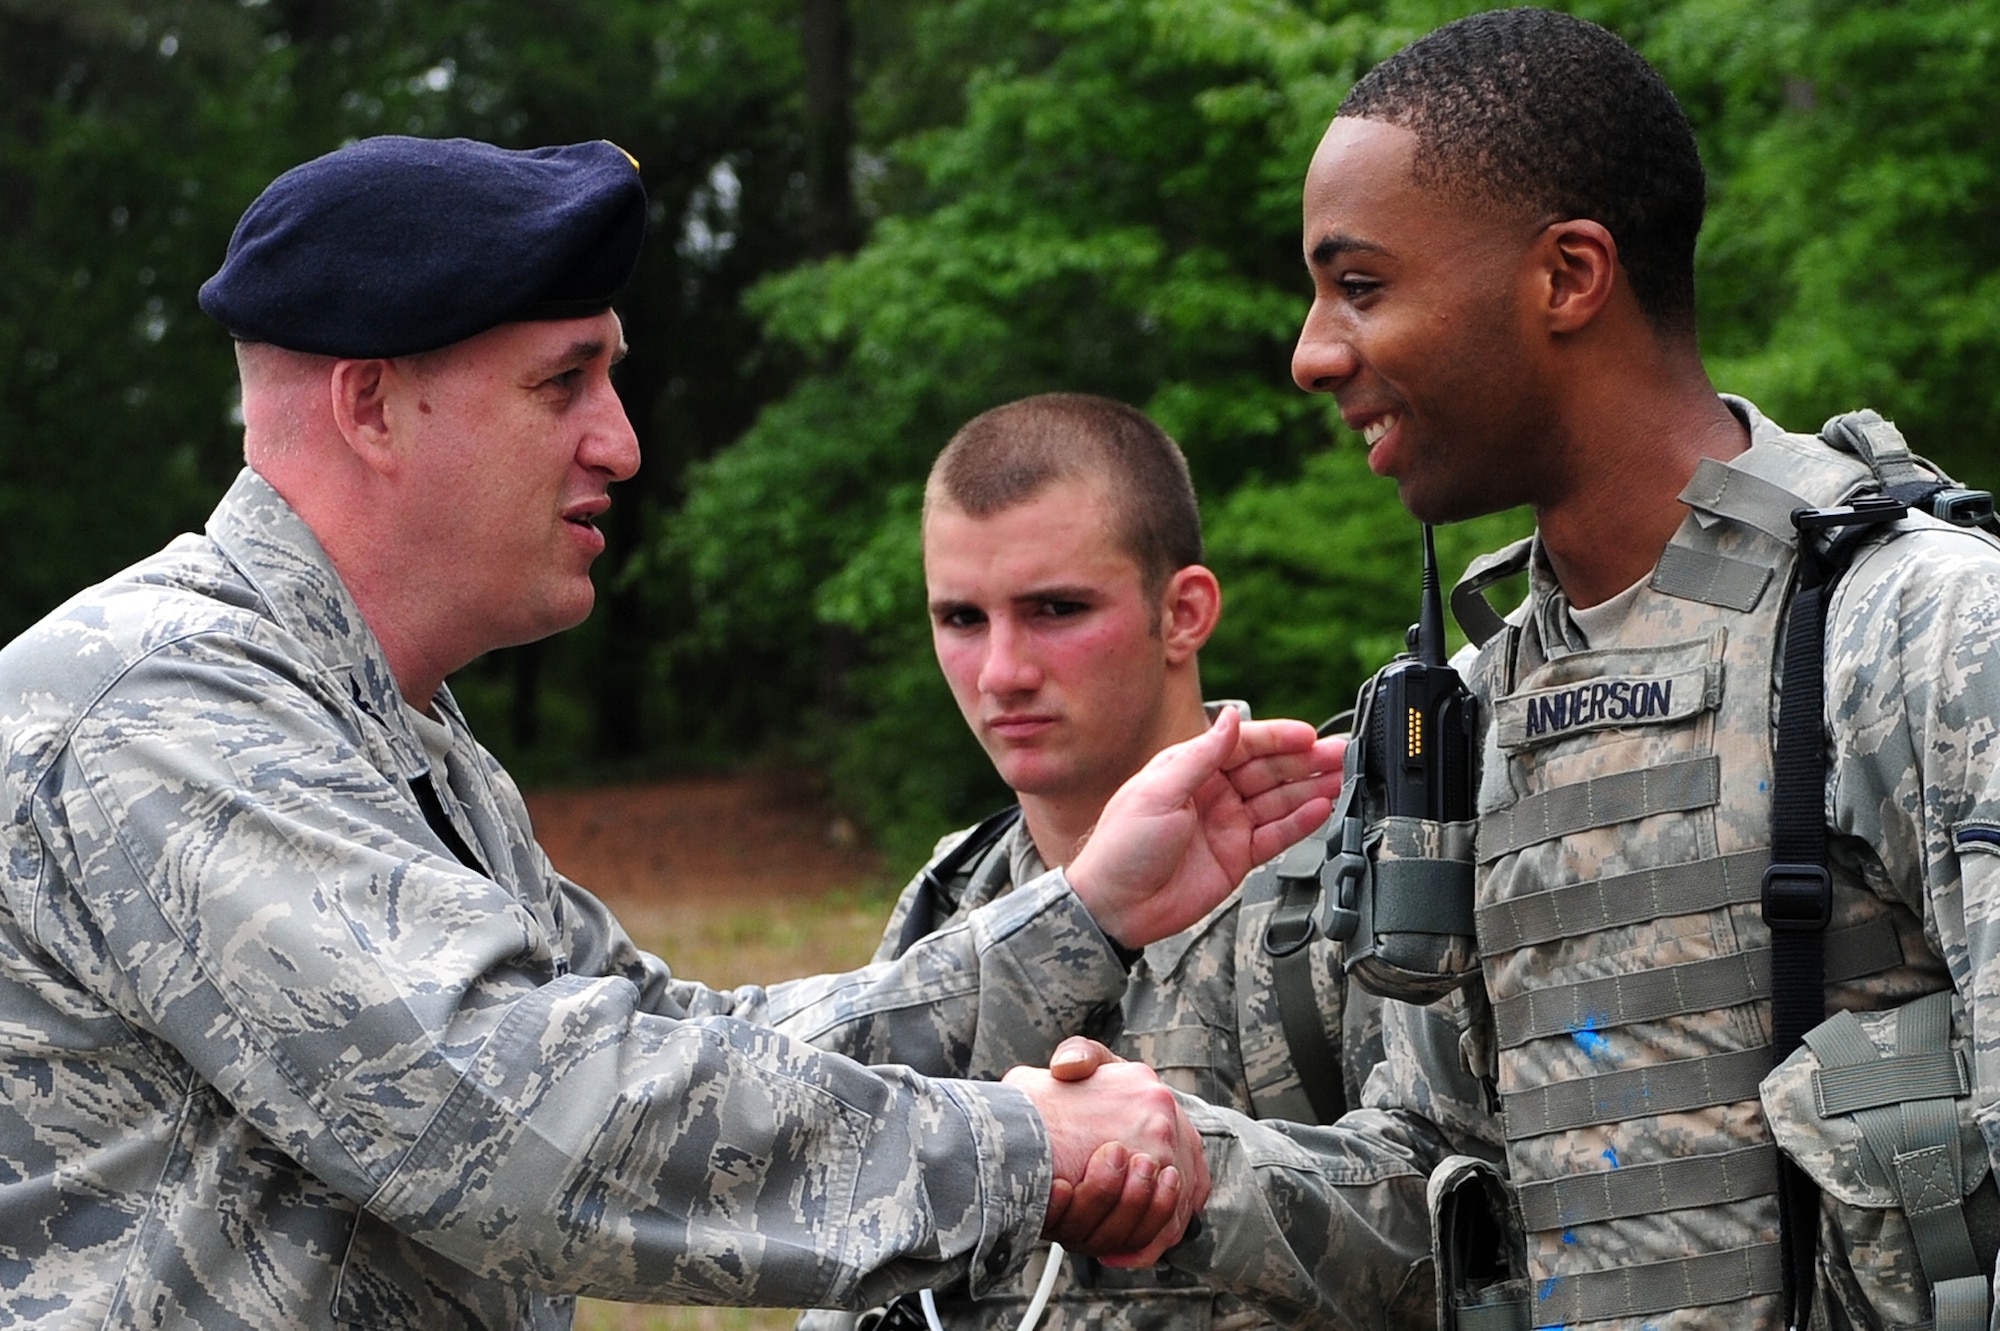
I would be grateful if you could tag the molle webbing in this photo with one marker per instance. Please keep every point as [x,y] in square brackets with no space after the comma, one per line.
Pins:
[1708,985]
[1627,898]
[1669,1185]
[1712,579]
[1410,897]
[1646,1092]
[1745,498]
[1659,1287]
[1599,802]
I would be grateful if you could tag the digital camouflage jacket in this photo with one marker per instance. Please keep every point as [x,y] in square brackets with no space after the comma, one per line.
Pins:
[281,1052]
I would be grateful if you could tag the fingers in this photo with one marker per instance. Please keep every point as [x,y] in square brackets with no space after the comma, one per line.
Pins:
[1257,773]
[1142,1224]
[1133,1159]
[1095,1198]
[1272,738]
[1077,1057]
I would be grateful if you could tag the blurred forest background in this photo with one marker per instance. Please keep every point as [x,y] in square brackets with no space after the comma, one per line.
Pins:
[871,221]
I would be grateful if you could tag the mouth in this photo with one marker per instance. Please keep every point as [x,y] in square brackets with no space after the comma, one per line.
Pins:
[587,513]
[1372,432]
[1017,726]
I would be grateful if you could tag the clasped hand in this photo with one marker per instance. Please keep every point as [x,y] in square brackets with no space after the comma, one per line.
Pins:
[1129,1170]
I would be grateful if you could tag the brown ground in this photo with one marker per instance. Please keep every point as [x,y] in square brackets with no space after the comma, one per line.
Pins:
[734,879]
[755,836]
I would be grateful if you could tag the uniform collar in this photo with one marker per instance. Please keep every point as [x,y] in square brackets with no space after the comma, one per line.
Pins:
[277,553]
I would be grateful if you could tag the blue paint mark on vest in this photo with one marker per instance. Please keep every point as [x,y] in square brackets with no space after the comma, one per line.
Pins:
[1606,700]
[1591,1043]
[1569,1236]
[1611,1154]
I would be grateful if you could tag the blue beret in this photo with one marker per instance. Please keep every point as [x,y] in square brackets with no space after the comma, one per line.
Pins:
[393,246]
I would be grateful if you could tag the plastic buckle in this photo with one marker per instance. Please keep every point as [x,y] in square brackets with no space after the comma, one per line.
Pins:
[1798,898]
[1340,884]
[1961,507]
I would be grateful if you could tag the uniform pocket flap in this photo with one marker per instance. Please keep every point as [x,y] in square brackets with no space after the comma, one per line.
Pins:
[1821,1116]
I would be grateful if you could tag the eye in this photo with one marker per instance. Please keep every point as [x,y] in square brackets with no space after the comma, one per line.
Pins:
[1357,289]
[960,618]
[1062,609]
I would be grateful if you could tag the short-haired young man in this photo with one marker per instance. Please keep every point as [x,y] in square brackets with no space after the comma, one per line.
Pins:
[1500,226]
[1068,603]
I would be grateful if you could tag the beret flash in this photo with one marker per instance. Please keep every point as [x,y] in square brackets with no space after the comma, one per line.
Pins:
[393,246]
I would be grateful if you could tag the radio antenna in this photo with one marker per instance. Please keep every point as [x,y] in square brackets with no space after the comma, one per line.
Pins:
[1430,619]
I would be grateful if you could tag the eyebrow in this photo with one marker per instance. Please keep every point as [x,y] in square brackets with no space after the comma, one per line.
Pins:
[582,352]
[1331,248]
[1034,595]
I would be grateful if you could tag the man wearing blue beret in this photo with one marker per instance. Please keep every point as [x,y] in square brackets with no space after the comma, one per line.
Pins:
[300,1027]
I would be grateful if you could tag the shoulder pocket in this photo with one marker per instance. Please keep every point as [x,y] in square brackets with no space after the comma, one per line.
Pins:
[1877,1110]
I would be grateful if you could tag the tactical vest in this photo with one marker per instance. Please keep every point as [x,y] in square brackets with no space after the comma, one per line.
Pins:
[1624,828]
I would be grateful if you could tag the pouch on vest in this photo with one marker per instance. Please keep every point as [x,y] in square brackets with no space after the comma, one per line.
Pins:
[1482,1268]
[1397,887]
[1876,1109]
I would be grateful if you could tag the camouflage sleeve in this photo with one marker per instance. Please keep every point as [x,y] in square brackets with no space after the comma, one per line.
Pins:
[994,988]
[1318,1226]
[998,987]
[1328,1226]
[1913,709]
[228,868]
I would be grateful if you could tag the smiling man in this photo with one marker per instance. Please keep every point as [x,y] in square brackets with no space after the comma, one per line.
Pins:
[300,1027]
[1068,605]
[1500,226]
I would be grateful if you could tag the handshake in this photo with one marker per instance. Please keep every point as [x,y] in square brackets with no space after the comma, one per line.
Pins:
[1129,1173]
[1129,1170]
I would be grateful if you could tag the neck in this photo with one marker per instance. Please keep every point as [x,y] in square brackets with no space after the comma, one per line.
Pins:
[1635,457]
[335,503]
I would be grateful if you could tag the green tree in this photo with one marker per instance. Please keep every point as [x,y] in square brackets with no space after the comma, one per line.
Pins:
[1113,207]
[1115,211]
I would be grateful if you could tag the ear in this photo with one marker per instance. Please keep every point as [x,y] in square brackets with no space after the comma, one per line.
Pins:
[1579,271]
[1189,609]
[364,412]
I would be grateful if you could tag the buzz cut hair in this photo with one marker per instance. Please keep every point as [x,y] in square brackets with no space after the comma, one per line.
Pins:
[1010,454]
[1549,115]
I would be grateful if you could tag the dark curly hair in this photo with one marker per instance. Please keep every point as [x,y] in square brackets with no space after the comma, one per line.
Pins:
[1546,114]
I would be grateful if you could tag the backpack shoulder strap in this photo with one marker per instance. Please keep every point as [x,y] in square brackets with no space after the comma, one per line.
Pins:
[934,900]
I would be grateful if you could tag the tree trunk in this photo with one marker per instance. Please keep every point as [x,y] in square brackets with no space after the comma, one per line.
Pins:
[827,38]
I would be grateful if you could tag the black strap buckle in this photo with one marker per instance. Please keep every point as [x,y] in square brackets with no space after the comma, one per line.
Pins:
[1797,897]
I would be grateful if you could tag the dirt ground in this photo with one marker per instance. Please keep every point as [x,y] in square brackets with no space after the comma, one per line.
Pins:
[733,879]
[760,836]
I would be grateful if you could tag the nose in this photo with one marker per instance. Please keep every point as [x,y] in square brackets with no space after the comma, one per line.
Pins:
[1009,667]
[612,445]
[1324,358]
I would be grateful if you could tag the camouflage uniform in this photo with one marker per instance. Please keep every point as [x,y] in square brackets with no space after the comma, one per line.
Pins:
[1201,1009]
[276,1057]
[1623,1027]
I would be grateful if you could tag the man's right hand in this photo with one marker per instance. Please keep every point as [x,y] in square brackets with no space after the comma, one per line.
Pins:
[1129,1168]
[1183,831]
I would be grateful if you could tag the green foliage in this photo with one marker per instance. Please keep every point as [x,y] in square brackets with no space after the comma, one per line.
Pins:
[1098,195]
[1115,210]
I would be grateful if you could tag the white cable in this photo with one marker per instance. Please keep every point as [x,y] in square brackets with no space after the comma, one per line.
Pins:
[1035,1304]
[1047,1283]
